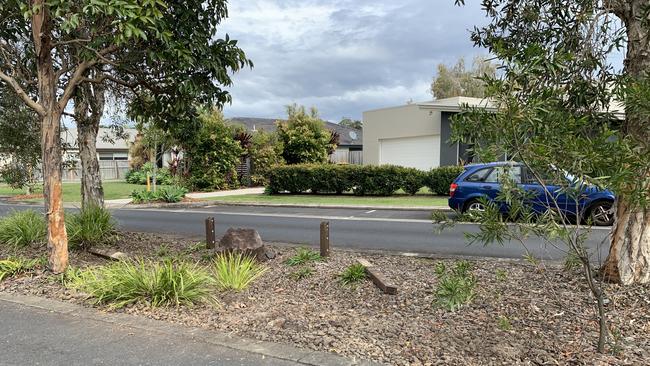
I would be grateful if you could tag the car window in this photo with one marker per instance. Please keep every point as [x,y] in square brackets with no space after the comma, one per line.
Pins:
[479,175]
[496,174]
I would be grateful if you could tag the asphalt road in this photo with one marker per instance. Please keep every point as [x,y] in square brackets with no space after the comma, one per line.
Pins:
[33,336]
[392,230]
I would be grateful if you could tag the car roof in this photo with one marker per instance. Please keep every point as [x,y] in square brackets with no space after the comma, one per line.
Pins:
[491,164]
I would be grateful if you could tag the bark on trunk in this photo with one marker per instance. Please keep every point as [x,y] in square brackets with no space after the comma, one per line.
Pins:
[89,107]
[629,257]
[57,238]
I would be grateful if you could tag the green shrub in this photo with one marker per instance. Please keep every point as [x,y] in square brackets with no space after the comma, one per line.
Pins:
[353,274]
[15,266]
[155,283]
[93,224]
[302,256]
[381,180]
[438,180]
[139,176]
[213,154]
[412,180]
[265,153]
[236,271]
[455,288]
[304,137]
[23,228]
[168,194]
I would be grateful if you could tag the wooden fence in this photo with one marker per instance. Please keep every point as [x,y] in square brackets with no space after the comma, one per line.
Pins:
[347,157]
[108,169]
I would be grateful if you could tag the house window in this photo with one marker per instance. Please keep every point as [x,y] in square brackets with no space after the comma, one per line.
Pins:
[109,156]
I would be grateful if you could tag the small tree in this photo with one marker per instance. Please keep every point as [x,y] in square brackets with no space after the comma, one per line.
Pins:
[304,136]
[20,145]
[265,153]
[459,81]
[213,154]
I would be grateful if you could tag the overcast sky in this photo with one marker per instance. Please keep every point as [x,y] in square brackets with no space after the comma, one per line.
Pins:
[343,56]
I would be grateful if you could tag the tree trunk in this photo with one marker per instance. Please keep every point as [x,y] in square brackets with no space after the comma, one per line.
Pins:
[629,256]
[57,238]
[89,108]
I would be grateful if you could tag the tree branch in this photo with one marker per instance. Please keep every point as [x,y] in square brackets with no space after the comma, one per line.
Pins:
[21,93]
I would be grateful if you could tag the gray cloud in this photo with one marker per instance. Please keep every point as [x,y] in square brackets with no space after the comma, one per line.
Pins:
[343,56]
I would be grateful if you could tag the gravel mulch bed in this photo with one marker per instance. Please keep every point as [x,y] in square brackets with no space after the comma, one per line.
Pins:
[525,314]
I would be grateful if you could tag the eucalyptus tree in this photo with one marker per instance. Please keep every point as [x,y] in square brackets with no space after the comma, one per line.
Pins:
[562,102]
[137,44]
[458,80]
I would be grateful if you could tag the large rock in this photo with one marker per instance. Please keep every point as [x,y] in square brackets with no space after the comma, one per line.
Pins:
[247,241]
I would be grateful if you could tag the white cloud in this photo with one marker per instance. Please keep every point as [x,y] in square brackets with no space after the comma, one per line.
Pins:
[343,56]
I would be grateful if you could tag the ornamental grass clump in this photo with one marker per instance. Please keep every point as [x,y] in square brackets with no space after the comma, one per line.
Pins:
[353,274]
[303,256]
[14,266]
[91,225]
[236,271]
[23,228]
[158,284]
[455,287]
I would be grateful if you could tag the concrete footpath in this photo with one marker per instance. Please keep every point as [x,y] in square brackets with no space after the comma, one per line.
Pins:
[38,331]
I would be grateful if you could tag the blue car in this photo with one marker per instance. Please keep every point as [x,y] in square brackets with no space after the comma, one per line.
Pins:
[482,181]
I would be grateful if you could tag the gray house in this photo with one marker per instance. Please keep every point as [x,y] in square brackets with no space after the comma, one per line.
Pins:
[415,135]
[349,150]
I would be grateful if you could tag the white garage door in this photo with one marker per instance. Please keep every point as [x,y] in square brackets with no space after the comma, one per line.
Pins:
[422,152]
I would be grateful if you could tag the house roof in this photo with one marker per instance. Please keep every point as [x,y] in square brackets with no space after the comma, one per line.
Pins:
[104,136]
[348,136]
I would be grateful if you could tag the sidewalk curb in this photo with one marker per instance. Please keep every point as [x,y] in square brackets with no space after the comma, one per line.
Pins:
[267,349]
[255,204]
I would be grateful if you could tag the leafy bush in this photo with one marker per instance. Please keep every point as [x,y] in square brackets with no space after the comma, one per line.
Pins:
[381,180]
[15,266]
[93,224]
[304,137]
[265,153]
[412,180]
[168,194]
[303,256]
[23,228]
[213,154]
[236,271]
[456,286]
[353,274]
[438,180]
[155,283]
[139,176]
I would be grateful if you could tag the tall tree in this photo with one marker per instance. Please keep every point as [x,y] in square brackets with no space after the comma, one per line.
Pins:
[141,45]
[89,101]
[558,104]
[458,81]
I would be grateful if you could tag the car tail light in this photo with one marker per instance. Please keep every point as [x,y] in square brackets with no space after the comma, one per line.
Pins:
[452,189]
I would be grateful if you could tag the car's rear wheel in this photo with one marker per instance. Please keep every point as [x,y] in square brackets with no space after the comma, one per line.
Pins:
[474,207]
[602,213]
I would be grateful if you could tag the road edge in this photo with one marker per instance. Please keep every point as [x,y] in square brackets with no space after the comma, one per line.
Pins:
[263,348]
[257,204]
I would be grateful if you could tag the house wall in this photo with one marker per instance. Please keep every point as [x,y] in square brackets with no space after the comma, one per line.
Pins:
[398,122]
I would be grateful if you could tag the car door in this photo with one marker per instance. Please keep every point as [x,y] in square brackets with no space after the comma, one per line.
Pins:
[551,195]
[493,181]
[474,184]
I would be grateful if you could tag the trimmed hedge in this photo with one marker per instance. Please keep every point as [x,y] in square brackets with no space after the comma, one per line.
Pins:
[366,180]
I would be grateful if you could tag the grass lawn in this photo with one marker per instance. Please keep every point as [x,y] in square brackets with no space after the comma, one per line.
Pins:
[72,191]
[419,200]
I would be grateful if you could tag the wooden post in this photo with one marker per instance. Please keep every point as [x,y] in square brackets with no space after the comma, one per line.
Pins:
[325,239]
[210,237]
